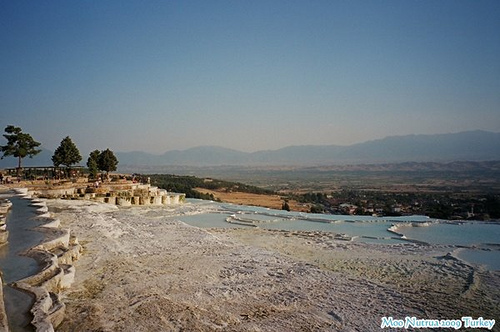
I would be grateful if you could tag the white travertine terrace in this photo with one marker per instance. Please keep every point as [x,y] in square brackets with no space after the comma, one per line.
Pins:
[55,256]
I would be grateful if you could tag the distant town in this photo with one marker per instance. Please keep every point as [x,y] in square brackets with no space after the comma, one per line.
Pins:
[457,205]
[435,205]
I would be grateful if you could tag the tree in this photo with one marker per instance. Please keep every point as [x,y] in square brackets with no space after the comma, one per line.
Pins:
[317,209]
[66,154]
[492,206]
[19,145]
[92,163]
[107,161]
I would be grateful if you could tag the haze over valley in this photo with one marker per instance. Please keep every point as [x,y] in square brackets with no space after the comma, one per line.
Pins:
[464,146]
[253,77]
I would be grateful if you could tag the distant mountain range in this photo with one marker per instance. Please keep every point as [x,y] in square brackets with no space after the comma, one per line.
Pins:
[471,146]
[44,158]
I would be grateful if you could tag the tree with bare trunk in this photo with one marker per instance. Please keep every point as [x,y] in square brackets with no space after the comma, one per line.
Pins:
[19,145]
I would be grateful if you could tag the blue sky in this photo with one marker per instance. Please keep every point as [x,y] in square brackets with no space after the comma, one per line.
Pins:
[248,75]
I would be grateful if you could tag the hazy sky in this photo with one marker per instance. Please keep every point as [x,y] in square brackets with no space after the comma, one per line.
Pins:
[249,75]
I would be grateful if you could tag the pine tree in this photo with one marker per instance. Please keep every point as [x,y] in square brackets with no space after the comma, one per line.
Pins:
[66,154]
[92,163]
[107,161]
[19,145]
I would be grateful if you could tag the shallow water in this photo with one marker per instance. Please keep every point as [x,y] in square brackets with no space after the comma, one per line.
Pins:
[14,266]
[476,235]
[376,229]
[487,258]
[355,226]
[18,305]
[209,220]
[363,228]
[21,237]
[466,234]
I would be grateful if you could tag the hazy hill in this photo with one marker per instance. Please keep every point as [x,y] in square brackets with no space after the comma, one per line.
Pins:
[44,158]
[470,146]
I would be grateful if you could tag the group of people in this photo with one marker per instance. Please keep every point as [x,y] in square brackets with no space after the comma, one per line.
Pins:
[7,179]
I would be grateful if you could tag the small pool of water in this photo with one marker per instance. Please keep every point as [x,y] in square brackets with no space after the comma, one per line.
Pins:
[465,233]
[18,304]
[490,259]
[20,224]
[209,220]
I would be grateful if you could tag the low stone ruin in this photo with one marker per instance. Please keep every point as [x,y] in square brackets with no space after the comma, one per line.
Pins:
[122,194]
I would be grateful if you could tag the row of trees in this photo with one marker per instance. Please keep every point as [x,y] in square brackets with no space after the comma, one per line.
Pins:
[101,160]
[187,184]
[22,145]
[67,154]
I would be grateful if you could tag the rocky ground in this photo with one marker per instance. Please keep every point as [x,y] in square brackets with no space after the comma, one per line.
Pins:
[142,270]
